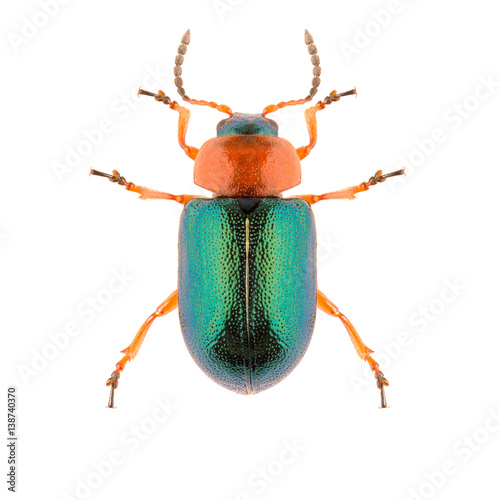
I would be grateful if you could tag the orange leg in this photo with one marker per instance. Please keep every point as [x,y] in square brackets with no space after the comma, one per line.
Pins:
[184,115]
[364,352]
[145,193]
[131,351]
[350,192]
[312,125]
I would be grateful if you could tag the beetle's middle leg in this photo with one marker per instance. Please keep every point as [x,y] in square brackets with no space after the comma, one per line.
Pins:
[350,192]
[326,305]
[131,351]
[145,193]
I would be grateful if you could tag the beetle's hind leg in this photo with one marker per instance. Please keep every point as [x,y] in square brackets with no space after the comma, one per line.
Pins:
[131,351]
[364,352]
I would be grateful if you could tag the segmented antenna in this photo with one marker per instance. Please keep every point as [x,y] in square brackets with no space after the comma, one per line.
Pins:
[179,59]
[312,49]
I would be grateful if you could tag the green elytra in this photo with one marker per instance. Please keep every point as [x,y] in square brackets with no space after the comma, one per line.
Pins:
[247,288]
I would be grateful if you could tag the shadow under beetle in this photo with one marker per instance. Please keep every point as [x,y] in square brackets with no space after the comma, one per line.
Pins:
[247,290]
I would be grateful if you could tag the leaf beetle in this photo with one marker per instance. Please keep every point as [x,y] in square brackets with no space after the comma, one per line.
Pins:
[247,290]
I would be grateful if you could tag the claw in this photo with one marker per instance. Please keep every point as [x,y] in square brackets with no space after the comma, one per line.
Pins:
[381,383]
[336,97]
[160,96]
[114,177]
[379,177]
[383,400]
[113,383]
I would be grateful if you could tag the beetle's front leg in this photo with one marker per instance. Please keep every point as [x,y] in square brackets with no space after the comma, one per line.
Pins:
[131,351]
[363,351]
[350,192]
[184,115]
[310,115]
[145,193]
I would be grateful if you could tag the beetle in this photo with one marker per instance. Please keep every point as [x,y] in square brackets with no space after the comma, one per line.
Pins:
[247,289]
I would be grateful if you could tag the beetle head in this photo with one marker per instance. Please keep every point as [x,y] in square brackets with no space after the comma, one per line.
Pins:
[248,124]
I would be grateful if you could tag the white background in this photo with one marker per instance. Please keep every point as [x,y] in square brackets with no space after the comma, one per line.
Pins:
[413,263]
